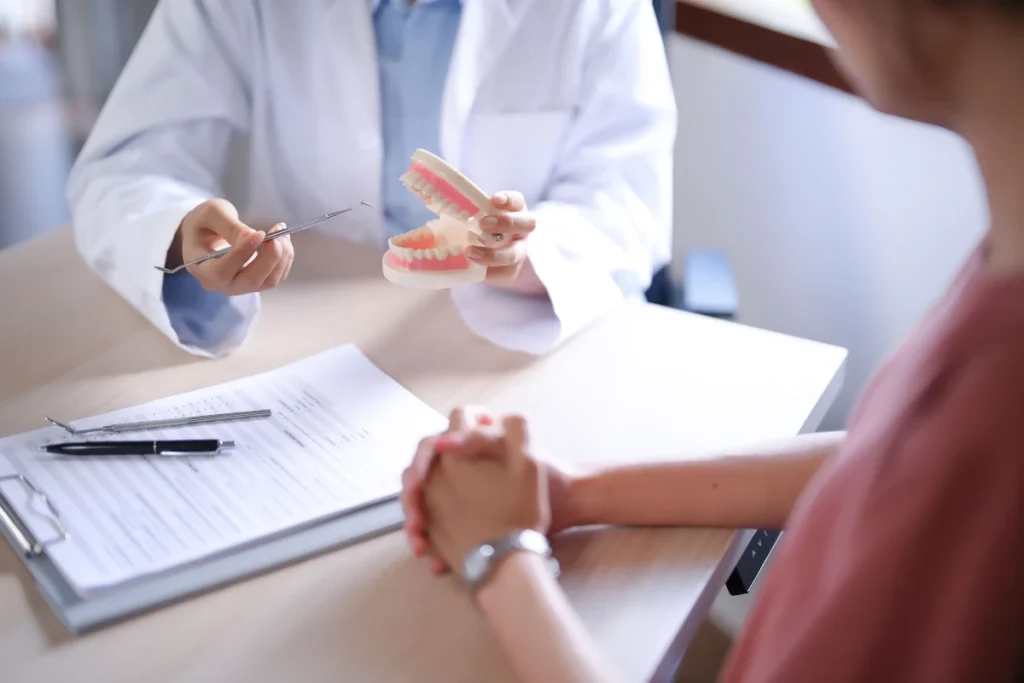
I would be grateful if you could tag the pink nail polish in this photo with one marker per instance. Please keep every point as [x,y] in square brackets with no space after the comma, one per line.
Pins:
[446,442]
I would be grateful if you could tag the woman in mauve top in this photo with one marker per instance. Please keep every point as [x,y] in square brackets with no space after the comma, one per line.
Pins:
[904,553]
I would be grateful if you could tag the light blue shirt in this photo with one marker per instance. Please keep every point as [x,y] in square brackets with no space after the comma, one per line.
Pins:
[414,45]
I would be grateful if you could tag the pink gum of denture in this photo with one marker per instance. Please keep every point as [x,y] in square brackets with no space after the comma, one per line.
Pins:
[447,190]
[422,239]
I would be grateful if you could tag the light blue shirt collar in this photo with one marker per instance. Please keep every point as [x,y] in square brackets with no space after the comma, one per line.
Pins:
[374,4]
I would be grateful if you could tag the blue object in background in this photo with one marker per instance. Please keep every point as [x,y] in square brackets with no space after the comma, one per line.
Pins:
[36,149]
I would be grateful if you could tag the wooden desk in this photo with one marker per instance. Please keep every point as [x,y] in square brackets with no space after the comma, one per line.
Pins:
[644,382]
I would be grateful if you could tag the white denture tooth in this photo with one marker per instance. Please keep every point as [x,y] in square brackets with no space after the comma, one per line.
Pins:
[407,178]
[429,254]
[409,254]
[464,215]
[420,183]
[442,253]
[419,253]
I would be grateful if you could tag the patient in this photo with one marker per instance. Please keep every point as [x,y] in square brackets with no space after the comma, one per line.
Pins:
[903,558]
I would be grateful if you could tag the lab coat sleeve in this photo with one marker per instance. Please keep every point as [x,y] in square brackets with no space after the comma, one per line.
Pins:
[158,150]
[604,225]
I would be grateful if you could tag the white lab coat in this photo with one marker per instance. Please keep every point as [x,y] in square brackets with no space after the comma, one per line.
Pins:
[567,101]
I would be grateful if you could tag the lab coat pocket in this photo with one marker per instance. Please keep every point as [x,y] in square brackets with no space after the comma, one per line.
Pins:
[516,151]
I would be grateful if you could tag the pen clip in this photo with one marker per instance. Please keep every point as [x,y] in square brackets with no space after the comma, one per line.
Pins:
[223,445]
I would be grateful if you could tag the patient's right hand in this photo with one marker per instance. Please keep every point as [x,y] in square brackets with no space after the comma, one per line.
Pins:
[213,225]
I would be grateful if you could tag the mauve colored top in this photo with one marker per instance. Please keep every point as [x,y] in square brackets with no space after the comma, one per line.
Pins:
[904,558]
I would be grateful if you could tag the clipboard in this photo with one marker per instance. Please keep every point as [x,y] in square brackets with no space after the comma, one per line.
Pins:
[105,606]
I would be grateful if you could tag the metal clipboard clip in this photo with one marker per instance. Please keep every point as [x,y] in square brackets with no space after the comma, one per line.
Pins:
[18,530]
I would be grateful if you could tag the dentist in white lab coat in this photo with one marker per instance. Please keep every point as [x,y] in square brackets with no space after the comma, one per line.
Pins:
[565,104]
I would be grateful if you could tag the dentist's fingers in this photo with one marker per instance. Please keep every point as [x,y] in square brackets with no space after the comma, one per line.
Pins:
[510,226]
[208,227]
[284,265]
[280,272]
[213,225]
[503,265]
[217,275]
[271,254]
[508,200]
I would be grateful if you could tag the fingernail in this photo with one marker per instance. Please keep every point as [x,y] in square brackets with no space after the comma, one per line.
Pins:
[500,198]
[489,222]
[448,442]
[256,240]
[475,252]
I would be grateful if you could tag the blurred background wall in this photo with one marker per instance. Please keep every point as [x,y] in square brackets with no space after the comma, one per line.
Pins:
[58,61]
[842,224]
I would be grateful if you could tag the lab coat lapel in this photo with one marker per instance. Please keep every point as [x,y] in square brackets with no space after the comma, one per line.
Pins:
[485,30]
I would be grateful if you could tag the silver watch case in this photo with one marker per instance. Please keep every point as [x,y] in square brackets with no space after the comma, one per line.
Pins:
[480,562]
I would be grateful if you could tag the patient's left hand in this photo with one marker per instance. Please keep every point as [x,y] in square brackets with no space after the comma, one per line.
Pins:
[478,500]
[504,237]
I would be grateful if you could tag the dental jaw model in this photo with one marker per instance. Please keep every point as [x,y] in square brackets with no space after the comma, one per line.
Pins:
[434,256]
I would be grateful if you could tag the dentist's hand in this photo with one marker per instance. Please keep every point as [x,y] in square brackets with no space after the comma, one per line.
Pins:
[214,224]
[504,244]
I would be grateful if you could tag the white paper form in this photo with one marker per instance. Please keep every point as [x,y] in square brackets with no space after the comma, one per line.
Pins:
[341,433]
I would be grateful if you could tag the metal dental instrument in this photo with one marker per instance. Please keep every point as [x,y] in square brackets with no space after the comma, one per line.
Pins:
[163,424]
[270,236]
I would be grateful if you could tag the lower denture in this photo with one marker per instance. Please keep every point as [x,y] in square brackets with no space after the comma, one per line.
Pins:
[418,242]
[456,262]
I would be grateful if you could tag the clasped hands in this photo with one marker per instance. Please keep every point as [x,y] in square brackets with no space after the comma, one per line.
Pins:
[476,483]
[254,266]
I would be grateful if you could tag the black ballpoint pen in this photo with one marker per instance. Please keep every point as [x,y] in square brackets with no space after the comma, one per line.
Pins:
[181,447]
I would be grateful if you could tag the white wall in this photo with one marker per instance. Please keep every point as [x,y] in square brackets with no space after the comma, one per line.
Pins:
[842,225]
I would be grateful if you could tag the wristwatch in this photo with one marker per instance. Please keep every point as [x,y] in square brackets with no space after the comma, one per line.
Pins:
[480,562]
